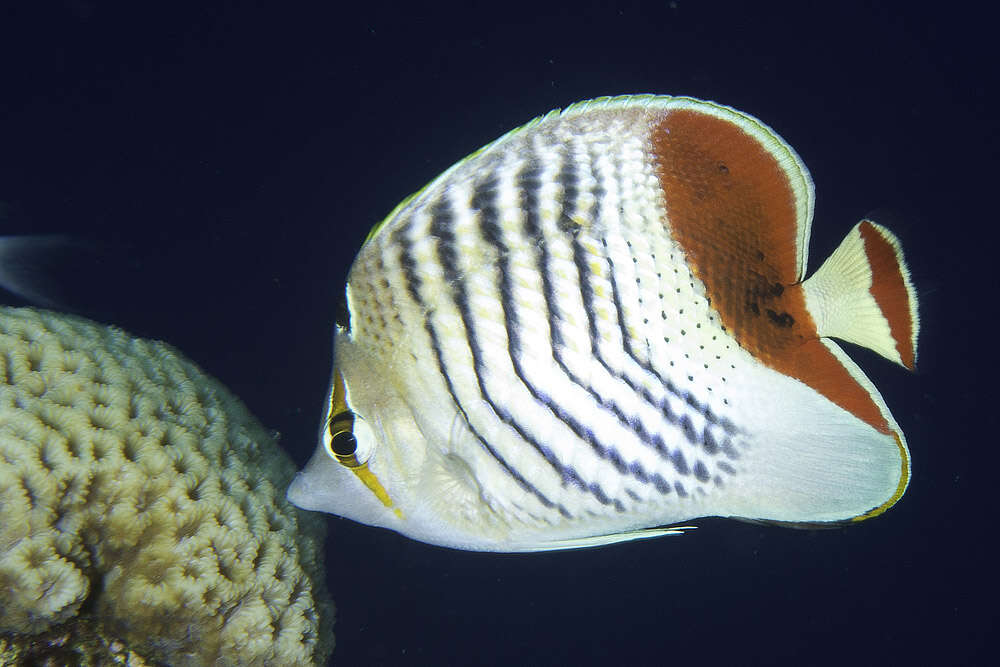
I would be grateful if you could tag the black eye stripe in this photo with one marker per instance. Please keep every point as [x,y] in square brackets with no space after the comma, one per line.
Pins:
[342,421]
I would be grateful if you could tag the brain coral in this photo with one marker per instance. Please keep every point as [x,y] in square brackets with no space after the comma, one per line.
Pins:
[137,487]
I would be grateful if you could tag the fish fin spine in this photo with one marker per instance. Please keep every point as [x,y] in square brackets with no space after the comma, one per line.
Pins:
[863,294]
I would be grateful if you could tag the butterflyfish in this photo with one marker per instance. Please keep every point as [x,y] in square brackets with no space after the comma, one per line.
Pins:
[600,325]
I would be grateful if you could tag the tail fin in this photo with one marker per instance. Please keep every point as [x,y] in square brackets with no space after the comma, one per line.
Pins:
[862,294]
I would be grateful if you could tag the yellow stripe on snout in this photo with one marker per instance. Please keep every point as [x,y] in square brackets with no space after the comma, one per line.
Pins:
[375,486]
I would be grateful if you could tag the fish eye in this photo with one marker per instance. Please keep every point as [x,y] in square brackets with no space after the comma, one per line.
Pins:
[344,444]
[351,439]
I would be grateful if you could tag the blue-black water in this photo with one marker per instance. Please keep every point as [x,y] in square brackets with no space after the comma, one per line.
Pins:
[241,155]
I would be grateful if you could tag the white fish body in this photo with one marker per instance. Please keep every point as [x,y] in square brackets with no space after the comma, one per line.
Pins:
[598,325]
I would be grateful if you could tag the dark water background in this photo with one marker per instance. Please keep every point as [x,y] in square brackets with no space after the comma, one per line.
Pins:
[240,155]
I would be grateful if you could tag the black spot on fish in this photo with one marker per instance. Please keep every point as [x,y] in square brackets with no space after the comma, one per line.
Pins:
[783,320]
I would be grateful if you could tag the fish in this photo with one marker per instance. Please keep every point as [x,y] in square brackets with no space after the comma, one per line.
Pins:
[599,327]
[27,265]
[60,271]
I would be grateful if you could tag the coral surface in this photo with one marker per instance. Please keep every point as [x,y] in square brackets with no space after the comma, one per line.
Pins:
[134,485]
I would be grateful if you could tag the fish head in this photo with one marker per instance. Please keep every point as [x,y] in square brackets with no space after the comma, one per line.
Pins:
[384,460]
[367,437]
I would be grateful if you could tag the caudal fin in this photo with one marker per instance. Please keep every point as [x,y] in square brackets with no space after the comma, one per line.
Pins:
[863,294]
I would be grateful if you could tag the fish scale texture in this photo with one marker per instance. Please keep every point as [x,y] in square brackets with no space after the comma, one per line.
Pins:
[134,484]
